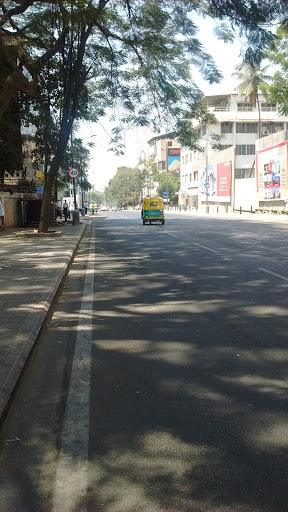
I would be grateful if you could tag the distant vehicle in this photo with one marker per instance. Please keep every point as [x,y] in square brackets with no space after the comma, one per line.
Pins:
[152,210]
[104,208]
[114,209]
[93,208]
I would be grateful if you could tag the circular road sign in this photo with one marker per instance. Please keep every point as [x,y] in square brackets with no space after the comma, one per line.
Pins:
[73,172]
[206,185]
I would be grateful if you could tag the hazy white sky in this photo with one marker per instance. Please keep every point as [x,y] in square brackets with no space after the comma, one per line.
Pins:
[103,165]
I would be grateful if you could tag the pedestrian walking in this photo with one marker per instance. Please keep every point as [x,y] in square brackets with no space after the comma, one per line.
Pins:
[2,217]
[65,210]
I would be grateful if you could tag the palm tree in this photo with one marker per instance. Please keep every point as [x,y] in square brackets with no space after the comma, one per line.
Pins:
[252,79]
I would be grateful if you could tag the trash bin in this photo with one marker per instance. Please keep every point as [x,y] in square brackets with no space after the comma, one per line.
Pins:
[75,217]
[82,210]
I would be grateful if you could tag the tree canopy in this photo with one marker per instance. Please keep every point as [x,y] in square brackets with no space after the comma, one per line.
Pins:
[277,91]
[124,188]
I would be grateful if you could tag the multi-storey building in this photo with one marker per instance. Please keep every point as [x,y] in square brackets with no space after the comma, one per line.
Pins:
[164,153]
[238,124]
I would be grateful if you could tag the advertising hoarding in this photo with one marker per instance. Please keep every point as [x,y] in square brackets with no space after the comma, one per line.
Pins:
[173,156]
[215,182]
[271,171]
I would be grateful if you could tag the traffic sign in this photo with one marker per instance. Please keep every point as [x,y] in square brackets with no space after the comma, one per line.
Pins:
[206,185]
[73,172]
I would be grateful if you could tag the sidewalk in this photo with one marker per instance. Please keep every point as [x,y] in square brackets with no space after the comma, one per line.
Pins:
[31,270]
[256,217]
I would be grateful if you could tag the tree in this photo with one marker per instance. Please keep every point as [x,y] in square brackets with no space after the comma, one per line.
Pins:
[124,188]
[252,78]
[277,91]
[168,182]
[95,196]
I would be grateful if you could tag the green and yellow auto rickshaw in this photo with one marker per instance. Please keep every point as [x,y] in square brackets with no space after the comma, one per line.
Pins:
[93,208]
[152,210]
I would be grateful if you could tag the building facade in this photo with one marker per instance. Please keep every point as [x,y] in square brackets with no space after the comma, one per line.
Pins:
[164,153]
[238,124]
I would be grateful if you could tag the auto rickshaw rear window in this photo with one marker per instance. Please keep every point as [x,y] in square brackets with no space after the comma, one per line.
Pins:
[153,204]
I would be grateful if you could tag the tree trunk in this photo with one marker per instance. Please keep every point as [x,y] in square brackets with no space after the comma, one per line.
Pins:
[51,175]
[73,89]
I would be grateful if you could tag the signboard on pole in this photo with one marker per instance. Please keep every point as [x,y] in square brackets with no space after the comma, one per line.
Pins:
[73,172]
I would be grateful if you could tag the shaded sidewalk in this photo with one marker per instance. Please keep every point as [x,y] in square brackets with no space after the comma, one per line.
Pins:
[31,270]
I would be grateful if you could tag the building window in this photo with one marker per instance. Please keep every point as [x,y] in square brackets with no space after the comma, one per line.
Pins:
[245,173]
[183,160]
[190,177]
[268,107]
[247,128]
[169,143]
[186,178]
[195,175]
[226,127]
[244,107]
[267,128]
[186,159]
[245,149]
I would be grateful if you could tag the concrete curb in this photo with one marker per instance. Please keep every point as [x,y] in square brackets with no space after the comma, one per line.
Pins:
[22,346]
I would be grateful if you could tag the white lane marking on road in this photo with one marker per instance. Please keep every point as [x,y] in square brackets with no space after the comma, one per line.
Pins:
[273,273]
[207,248]
[72,466]
[171,234]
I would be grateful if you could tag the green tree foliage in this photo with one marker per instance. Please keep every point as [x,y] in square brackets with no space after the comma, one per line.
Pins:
[277,91]
[251,19]
[252,80]
[95,196]
[124,188]
[168,181]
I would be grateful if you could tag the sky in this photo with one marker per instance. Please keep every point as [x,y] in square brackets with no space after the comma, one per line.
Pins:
[104,164]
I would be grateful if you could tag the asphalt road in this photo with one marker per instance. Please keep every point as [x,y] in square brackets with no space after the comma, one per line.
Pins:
[160,382]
